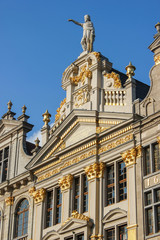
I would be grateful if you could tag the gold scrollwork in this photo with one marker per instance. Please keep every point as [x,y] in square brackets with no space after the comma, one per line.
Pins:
[38,195]
[97,55]
[157,60]
[84,72]
[9,201]
[77,215]
[95,170]
[65,182]
[58,115]
[117,81]
[129,157]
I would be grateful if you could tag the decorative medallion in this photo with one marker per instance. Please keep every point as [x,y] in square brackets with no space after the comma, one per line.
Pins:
[117,81]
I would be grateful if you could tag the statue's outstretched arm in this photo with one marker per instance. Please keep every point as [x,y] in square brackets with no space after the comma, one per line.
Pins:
[77,23]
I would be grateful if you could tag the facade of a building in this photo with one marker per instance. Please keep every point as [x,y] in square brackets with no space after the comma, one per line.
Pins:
[97,174]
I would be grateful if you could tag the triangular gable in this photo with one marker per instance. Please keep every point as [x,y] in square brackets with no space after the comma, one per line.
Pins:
[7,125]
[52,235]
[73,224]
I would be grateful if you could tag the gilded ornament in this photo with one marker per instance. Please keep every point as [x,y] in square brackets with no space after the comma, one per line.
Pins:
[157,60]
[77,215]
[84,72]
[129,157]
[65,182]
[116,78]
[97,55]
[38,195]
[95,170]
[58,115]
[9,201]
[130,70]
[81,97]
[100,129]
[24,109]
[46,117]
[9,105]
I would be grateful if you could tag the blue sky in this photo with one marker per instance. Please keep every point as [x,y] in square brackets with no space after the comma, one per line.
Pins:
[37,44]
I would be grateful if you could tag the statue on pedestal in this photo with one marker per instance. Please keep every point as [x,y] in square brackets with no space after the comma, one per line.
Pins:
[88,33]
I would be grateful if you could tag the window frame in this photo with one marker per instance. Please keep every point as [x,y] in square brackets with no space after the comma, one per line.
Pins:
[2,162]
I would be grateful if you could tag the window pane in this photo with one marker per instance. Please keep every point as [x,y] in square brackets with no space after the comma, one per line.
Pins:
[148,198]
[149,218]
[110,185]
[49,213]
[80,237]
[6,152]
[158,218]
[156,157]
[122,182]
[59,205]
[158,195]
[147,161]
[123,233]
[22,218]
[5,169]
[111,234]
[76,194]
[1,155]
[85,194]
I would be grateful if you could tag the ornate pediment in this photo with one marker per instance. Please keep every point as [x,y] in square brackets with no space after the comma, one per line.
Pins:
[114,215]
[6,126]
[74,223]
[52,235]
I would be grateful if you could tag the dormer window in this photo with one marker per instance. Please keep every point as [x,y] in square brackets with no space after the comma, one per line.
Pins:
[4,154]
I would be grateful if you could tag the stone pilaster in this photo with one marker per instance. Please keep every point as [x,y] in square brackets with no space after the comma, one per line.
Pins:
[94,172]
[65,184]
[38,196]
[130,158]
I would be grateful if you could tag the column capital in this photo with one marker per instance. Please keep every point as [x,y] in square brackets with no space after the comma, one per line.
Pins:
[9,201]
[38,195]
[65,182]
[129,156]
[95,170]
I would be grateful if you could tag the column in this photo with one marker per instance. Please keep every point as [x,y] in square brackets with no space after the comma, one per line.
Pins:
[65,184]
[94,172]
[7,218]
[38,196]
[129,158]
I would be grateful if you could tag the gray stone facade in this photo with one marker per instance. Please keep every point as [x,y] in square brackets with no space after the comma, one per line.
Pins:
[97,174]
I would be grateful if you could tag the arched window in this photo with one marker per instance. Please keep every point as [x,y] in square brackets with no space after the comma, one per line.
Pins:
[21,227]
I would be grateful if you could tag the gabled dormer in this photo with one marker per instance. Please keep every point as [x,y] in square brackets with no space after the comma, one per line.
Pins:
[15,151]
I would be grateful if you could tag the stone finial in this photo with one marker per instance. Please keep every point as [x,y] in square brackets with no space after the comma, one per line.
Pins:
[37,141]
[46,117]
[24,109]
[157,26]
[130,70]
[9,105]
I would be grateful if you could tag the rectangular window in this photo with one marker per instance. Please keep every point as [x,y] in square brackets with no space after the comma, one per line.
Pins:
[147,160]
[158,218]
[149,221]
[110,185]
[122,181]
[58,205]
[156,157]
[85,194]
[4,154]
[123,233]
[76,193]
[157,197]
[49,213]
[110,234]
[148,198]
[80,237]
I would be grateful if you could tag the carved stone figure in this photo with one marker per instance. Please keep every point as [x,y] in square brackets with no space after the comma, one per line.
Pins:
[88,33]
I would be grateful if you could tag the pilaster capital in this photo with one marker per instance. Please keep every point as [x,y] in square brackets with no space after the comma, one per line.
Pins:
[65,182]
[130,156]
[158,140]
[9,201]
[38,195]
[95,170]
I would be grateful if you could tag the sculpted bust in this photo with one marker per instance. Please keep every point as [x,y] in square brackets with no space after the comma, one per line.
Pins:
[88,33]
